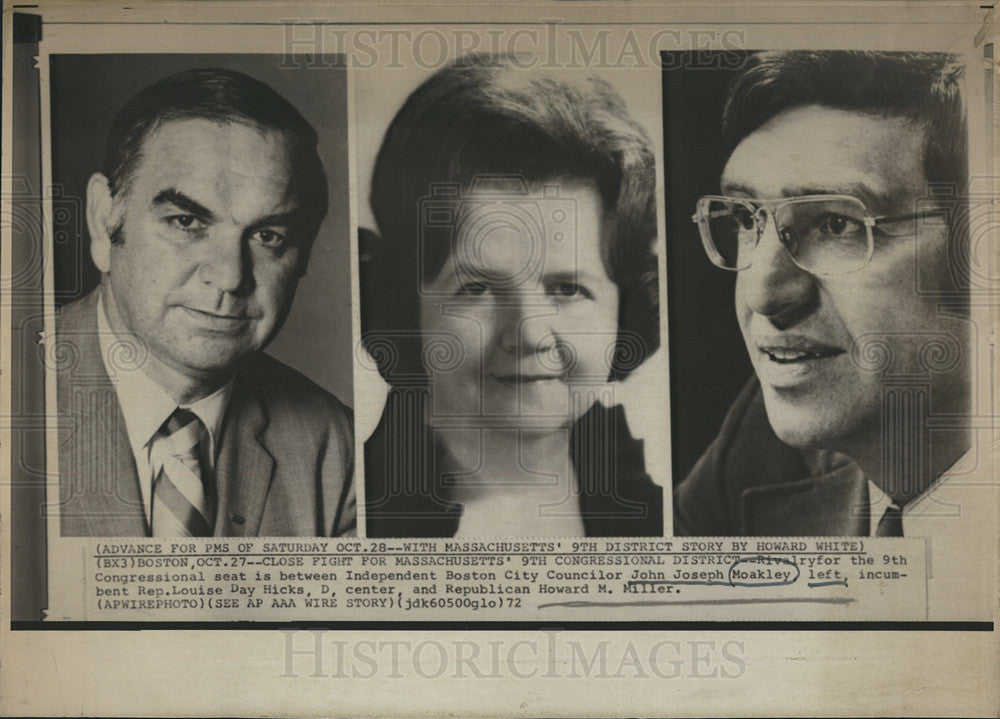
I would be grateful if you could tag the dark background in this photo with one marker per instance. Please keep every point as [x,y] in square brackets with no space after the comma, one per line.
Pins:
[708,360]
[87,91]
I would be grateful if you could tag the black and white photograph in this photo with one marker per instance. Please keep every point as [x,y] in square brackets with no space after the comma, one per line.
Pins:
[822,348]
[630,358]
[212,192]
[509,288]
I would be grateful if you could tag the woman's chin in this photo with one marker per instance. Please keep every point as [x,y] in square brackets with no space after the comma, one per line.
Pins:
[540,405]
[549,399]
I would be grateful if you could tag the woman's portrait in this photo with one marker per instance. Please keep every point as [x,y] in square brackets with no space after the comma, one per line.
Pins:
[507,289]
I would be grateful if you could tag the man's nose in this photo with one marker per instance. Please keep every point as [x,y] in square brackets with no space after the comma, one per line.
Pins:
[226,263]
[774,286]
[525,327]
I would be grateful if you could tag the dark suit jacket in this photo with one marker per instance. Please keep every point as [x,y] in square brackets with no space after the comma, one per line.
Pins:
[285,452]
[750,483]
[407,497]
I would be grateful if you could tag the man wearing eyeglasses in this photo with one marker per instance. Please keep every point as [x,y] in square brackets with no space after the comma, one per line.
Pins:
[850,301]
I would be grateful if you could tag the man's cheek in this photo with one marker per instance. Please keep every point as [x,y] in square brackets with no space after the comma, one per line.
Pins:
[277,286]
[743,319]
[742,311]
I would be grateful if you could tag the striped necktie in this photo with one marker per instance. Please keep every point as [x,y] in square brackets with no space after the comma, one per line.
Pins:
[891,524]
[181,506]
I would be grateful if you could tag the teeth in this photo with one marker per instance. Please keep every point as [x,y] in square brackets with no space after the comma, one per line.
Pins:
[786,355]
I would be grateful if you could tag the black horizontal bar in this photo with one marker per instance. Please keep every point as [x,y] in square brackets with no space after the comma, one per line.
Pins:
[603,626]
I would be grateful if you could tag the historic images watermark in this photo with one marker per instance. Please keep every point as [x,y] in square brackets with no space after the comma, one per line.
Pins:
[550,44]
[322,654]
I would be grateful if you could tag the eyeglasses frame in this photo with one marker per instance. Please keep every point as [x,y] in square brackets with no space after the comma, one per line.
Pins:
[701,218]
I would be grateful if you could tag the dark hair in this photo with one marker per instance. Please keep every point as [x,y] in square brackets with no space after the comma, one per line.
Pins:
[220,96]
[486,116]
[920,86]
[923,87]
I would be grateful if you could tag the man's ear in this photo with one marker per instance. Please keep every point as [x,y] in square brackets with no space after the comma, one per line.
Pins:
[100,220]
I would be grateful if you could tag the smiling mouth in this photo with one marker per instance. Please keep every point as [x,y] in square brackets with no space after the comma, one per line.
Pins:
[792,356]
[213,318]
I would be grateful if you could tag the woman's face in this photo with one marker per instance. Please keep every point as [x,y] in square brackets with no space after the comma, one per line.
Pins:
[522,319]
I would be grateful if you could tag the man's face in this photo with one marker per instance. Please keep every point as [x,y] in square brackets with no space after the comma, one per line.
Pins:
[210,255]
[807,335]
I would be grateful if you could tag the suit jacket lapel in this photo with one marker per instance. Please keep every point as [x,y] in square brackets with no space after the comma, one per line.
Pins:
[98,479]
[116,509]
[830,504]
[786,492]
[244,468]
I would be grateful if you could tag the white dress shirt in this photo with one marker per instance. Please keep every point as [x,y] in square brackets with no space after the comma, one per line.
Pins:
[146,406]
[958,517]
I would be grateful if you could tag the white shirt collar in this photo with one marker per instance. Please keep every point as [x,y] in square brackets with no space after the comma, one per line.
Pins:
[145,405]
[878,502]
[924,505]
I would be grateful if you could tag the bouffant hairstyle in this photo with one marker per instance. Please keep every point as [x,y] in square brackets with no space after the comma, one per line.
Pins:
[488,116]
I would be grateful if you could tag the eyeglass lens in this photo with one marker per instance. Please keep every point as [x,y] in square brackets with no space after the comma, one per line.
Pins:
[822,235]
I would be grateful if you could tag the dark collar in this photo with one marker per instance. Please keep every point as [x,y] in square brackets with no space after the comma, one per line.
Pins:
[407,497]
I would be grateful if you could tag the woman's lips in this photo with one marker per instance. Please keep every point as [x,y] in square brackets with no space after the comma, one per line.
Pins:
[522,379]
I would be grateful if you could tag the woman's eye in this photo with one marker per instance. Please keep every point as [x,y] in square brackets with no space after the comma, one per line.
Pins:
[473,289]
[270,238]
[568,290]
[186,223]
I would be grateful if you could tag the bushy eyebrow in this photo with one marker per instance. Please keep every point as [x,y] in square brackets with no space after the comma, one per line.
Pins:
[735,188]
[172,196]
[571,276]
[288,218]
[874,200]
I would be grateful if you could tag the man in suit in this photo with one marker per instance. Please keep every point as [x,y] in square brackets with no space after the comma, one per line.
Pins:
[852,301]
[173,421]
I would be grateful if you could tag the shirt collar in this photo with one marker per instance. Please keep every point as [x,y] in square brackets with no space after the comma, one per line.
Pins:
[922,504]
[878,502]
[145,405]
